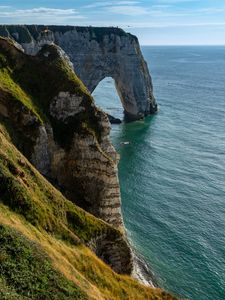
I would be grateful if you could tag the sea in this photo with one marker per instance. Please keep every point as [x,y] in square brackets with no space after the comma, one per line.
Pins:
[172,171]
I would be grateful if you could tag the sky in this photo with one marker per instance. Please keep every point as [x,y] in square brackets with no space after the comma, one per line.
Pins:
[155,22]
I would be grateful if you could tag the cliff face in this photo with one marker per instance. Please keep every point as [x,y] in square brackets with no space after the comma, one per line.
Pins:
[54,122]
[59,129]
[97,53]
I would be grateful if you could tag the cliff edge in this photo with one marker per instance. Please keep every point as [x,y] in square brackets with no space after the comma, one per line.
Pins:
[96,53]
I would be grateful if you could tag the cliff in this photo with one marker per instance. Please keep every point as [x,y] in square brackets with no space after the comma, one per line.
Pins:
[97,53]
[58,128]
[48,244]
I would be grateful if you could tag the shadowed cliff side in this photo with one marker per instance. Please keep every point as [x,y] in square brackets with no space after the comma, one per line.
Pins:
[53,121]
[97,53]
[57,126]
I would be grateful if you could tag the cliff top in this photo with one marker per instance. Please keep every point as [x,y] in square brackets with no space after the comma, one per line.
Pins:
[24,33]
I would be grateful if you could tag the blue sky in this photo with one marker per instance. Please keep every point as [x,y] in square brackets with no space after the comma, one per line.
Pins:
[155,22]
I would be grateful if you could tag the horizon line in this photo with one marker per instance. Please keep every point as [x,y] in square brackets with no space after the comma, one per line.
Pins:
[184,45]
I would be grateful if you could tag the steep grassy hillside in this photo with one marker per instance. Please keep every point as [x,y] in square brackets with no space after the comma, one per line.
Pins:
[43,255]
[27,271]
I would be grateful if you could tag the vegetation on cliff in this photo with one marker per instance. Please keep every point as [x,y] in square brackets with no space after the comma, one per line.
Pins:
[35,228]
[32,90]
[28,273]
[44,238]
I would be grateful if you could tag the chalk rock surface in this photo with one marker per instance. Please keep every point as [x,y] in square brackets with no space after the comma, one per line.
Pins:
[96,53]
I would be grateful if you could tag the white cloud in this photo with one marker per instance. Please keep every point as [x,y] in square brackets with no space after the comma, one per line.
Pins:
[103,4]
[177,25]
[121,7]
[41,15]
[212,10]
[129,10]
[161,6]
[40,12]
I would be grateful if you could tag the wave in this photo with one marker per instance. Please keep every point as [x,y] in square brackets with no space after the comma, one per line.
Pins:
[142,271]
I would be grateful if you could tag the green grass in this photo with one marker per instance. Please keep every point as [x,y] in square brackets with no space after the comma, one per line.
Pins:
[26,272]
[26,192]
[36,209]
[33,82]
[8,85]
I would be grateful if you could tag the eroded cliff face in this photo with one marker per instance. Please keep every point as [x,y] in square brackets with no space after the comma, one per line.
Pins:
[54,122]
[57,126]
[69,142]
[97,53]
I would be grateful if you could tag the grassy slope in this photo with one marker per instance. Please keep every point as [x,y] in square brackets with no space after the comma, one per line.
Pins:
[28,272]
[38,212]
[36,89]
[9,56]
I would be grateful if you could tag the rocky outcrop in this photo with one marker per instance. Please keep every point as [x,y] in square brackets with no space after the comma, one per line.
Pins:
[114,120]
[66,137]
[114,251]
[87,172]
[60,130]
[97,53]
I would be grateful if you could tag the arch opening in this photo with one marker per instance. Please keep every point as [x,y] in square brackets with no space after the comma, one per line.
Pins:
[106,97]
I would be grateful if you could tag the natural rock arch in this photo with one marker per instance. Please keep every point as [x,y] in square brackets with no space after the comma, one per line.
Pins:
[107,98]
[114,54]
[97,53]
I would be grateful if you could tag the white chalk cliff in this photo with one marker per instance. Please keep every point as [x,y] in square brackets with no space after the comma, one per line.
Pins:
[97,53]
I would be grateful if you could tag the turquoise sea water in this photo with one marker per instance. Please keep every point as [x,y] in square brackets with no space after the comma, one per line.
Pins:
[172,174]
